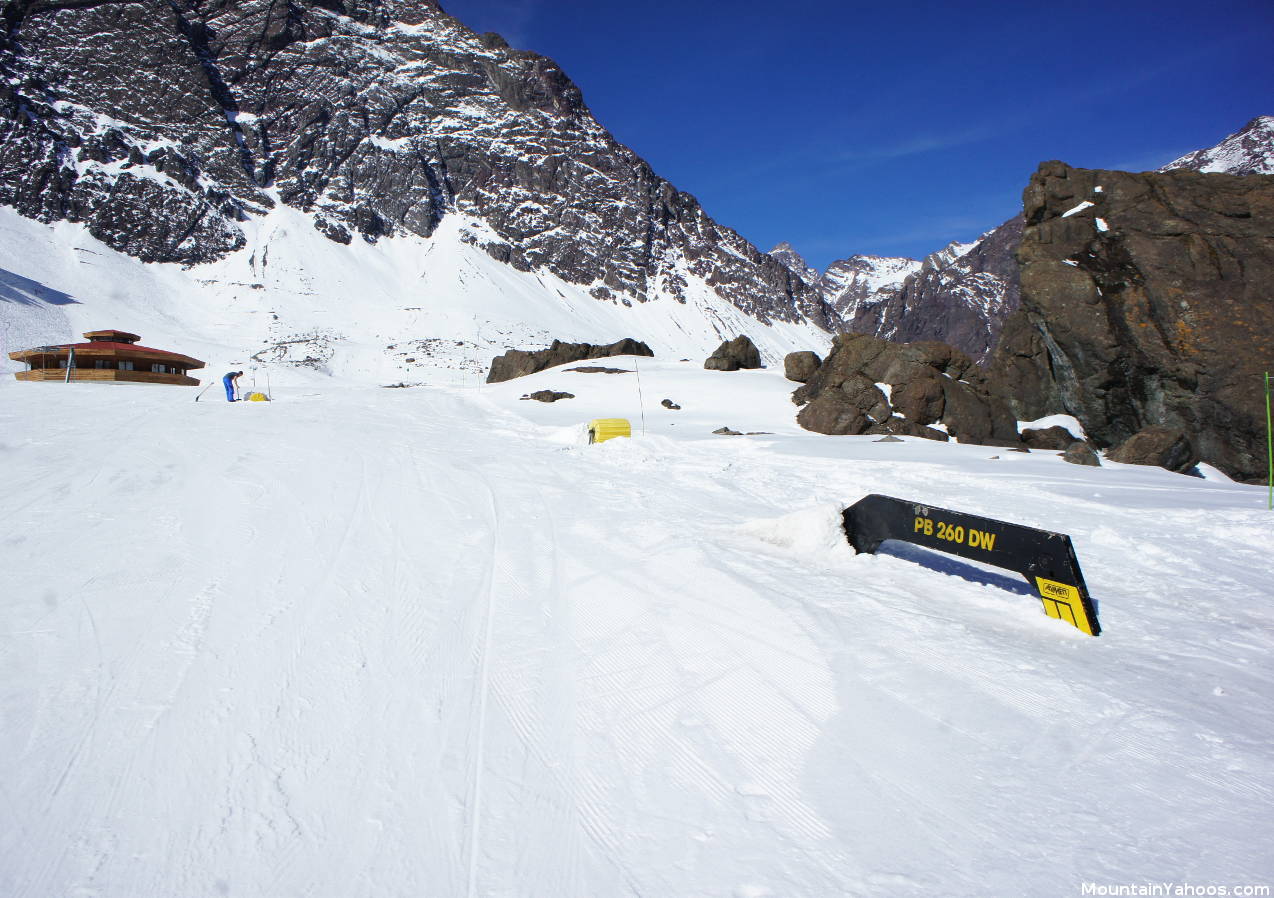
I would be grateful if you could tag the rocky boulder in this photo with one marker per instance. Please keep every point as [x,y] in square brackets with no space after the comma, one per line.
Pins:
[1145,303]
[869,385]
[1080,453]
[734,354]
[800,366]
[548,395]
[1055,437]
[1162,446]
[519,362]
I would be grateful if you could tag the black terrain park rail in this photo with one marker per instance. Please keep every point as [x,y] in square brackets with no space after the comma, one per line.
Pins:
[1046,559]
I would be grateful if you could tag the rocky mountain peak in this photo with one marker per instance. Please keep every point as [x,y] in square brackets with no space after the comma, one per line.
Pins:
[373,117]
[786,254]
[863,280]
[1249,151]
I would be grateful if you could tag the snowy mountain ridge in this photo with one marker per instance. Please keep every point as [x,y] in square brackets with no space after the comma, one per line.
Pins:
[1249,151]
[373,119]
[863,280]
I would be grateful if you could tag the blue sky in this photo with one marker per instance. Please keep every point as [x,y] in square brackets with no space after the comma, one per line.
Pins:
[893,129]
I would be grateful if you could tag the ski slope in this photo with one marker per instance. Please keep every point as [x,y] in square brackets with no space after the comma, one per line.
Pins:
[373,641]
[364,642]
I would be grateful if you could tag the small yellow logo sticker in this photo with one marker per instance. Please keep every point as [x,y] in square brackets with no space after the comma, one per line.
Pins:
[1060,591]
[1063,601]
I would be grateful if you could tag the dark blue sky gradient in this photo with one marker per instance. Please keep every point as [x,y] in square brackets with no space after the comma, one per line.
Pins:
[893,129]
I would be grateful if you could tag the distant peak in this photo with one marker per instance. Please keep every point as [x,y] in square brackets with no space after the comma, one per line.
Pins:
[1249,151]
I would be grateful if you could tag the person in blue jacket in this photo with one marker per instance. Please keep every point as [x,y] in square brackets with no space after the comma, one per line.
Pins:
[231,383]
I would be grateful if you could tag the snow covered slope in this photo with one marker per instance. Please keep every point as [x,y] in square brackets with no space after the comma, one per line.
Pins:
[406,308]
[364,642]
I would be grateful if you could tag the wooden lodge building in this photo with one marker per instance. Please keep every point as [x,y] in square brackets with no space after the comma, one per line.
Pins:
[107,357]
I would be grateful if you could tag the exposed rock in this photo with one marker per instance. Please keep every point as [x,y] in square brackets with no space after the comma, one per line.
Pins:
[728,432]
[668,403]
[519,362]
[1055,437]
[929,383]
[795,262]
[960,295]
[921,399]
[548,396]
[889,439]
[1080,453]
[600,369]
[1160,446]
[896,425]
[734,354]
[800,366]
[1145,302]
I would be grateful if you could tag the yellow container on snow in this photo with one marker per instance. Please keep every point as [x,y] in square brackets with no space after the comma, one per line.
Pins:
[257,397]
[602,429]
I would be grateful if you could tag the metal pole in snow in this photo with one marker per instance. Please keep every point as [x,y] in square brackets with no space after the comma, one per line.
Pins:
[1269,438]
[640,401]
[70,363]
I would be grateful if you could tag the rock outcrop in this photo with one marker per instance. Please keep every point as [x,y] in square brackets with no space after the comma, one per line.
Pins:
[1055,437]
[869,385]
[1080,453]
[1161,446]
[520,362]
[734,354]
[164,125]
[800,366]
[549,395]
[1146,303]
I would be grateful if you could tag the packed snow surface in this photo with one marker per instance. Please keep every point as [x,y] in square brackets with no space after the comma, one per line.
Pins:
[364,641]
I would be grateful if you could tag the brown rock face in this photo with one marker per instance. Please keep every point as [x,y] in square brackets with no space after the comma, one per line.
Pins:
[1162,446]
[1146,302]
[929,383]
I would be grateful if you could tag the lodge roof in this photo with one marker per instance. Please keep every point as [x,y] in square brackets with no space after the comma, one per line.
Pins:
[110,343]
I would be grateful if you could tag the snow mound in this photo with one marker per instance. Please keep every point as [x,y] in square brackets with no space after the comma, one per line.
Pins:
[811,531]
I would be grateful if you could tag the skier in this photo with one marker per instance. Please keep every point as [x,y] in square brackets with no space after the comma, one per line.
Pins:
[231,383]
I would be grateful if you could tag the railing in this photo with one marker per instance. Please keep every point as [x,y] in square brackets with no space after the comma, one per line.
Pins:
[107,375]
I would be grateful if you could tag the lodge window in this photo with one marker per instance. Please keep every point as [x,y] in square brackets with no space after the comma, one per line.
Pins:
[125,366]
[101,363]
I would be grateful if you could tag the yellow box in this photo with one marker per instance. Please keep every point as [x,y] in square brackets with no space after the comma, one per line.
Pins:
[602,429]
